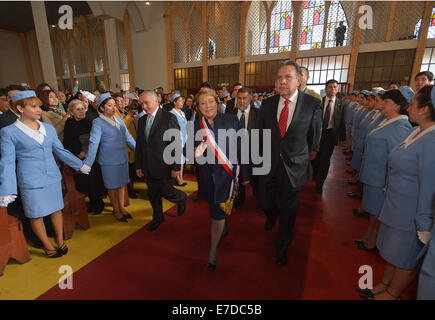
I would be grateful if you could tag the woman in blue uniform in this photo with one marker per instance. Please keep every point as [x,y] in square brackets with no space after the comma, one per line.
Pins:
[423,113]
[215,178]
[110,134]
[379,143]
[408,210]
[178,101]
[32,144]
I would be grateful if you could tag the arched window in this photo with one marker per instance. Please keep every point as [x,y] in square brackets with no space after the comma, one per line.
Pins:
[336,35]
[431,31]
[313,20]
[280,28]
[211,51]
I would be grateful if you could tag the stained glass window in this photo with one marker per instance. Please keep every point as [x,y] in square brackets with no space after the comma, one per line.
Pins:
[336,35]
[280,29]
[211,51]
[313,20]
[431,31]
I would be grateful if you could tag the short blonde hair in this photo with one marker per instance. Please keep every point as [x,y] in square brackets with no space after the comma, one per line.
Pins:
[74,103]
[206,92]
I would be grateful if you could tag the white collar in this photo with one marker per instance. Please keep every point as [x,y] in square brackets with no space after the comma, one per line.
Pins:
[154,113]
[410,139]
[387,122]
[113,123]
[293,98]
[333,99]
[37,135]
[182,115]
[377,115]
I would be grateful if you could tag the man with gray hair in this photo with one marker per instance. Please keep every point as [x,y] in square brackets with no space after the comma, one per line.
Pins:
[150,163]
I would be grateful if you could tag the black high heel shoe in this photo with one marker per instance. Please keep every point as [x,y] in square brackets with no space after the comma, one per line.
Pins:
[63,249]
[211,266]
[52,253]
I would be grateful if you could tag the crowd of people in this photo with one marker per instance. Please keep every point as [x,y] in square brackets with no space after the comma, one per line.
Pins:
[114,139]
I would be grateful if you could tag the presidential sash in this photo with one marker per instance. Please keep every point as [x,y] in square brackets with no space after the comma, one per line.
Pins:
[232,170]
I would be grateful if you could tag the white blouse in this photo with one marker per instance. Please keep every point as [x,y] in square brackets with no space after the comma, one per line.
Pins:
[113,123]
[38,135]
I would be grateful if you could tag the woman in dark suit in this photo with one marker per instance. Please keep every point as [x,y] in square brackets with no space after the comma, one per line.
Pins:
[217,178]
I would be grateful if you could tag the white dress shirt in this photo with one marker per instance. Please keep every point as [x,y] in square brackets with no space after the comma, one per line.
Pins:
[239,115]
[332,110]
[291,107]
[154,116]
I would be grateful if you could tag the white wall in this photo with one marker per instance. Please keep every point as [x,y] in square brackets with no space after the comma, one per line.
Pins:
[12,63]
[149,49]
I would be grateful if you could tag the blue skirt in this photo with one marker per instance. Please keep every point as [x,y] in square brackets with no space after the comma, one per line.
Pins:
[398,247]
[426,286]
[373,199]
[42,202]
[115,176]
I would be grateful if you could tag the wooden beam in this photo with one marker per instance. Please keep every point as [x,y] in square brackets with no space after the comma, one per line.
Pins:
[421,45]
[127,36]
[90,55]
[295,29]
[66,39]
[33,32]
[325,24]
[354,52]
[204,19]
[169,49]
[391,21]
[243,16]
[25,46]
[101,37]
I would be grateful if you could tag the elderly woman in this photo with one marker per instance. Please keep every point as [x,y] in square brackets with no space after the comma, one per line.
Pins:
[408,211]
[76,139]
[379,143]
[109,137]
[51,113]
[218,178]
[178,102]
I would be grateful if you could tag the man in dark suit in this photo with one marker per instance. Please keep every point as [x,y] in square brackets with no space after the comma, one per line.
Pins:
[232,104]
[333,130]
[249,118]
[9,116]
[293,118]
[149,158]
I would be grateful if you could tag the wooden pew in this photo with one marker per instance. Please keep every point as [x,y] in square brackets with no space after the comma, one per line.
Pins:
[74,211]
[12,241]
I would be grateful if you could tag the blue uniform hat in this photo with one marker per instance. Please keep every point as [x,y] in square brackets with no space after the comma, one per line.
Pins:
[175,96]
[255,95]
[407,93]
[226,94]
[103,97]
[23,95]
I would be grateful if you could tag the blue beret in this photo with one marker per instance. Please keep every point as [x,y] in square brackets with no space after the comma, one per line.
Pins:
[23,95]
[103,97]
[175,96]
[255,95]
[226,94]
[407,93]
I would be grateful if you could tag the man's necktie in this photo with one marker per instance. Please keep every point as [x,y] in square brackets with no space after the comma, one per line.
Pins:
[327,115]
[242,119]
[148,126]
[283,119]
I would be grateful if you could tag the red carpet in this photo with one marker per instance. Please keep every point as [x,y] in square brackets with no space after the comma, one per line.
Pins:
[169,263]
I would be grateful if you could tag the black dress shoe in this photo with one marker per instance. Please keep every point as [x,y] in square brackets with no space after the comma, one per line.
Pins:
[359,214]
[181,208]
[319,189]
[63,249]
[123,219]
[358,241]
[281,258]
[350,181]
[128,216]
[270,222]
[365,291]
[153,225]
[362,246]
[348,158]
[197,197]
[348,163]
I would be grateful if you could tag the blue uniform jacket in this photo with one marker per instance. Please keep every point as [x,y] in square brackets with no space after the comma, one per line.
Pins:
[360,138]
[409,200]
[112,143]
[377,148]
[215,181]
[36,167]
